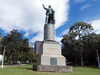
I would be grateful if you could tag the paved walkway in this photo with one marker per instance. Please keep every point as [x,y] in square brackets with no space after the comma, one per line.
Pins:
[12,65]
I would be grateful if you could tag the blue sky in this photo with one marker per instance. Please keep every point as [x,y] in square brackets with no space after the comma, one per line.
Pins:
[28,16]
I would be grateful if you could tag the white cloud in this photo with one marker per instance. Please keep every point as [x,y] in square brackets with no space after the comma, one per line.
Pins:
[96,25]
[58,39]
[78,1]
[85,6]
[39,37]
[27,34]
[65,32]
[29,15]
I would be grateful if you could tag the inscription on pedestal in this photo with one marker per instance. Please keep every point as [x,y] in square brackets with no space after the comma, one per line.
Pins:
[52,49]
[53,61]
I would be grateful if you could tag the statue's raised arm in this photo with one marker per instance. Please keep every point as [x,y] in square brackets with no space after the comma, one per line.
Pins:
[44,6]
[49,14]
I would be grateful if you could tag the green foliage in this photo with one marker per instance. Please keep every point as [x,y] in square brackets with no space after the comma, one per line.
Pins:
[17,47]
[32,63]
[80,42]
[81,28]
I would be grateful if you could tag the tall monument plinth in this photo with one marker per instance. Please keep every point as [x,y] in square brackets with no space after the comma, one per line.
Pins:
[50,56]
[50,50]
[49,32]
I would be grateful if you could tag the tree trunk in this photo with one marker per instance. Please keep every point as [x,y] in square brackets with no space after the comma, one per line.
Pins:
[10,60]
[82,60]
[76,61]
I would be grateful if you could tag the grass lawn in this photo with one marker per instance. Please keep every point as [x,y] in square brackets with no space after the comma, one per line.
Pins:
[25,70]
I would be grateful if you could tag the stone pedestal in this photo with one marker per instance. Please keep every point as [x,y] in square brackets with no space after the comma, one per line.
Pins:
[50,57]
[50,54]
[49,32]
[51,68]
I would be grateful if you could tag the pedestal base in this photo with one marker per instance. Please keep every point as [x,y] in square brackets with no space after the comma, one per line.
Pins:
[50,54]
[51,60]
[51,68]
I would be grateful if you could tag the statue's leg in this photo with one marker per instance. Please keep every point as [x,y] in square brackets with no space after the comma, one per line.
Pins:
[46,20]
[49,18]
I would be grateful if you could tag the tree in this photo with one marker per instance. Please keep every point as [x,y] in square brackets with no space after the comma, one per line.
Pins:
[30,56]
[70,47]
[75,36]
[15,44]
[91,44]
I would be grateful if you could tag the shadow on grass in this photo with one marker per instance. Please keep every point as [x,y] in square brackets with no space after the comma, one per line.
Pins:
[92,67]
[29,68]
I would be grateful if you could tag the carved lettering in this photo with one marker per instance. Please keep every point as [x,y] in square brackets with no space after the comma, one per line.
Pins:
[55,49]
[51,49]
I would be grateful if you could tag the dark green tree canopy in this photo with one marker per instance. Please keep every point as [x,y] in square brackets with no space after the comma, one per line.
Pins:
[15,44]
[79,39]
[81,28]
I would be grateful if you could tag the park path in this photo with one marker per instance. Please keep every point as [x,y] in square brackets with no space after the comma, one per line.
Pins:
[12,65]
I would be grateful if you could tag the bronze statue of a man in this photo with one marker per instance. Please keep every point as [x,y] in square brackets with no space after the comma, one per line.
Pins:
[49,15]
